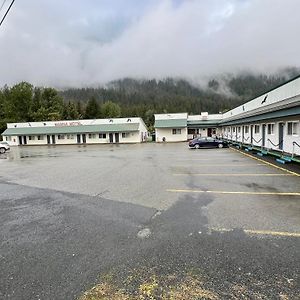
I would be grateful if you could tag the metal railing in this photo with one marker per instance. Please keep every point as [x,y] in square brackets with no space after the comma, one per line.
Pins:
[294,144]
[253,139]
[275,145]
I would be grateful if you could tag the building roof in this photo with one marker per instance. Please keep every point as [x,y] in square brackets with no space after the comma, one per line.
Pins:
[294,111]
[171,123]
[71,129]
[202,123]
[177,116]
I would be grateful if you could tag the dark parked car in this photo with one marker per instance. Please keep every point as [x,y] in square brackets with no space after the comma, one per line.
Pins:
[207,142]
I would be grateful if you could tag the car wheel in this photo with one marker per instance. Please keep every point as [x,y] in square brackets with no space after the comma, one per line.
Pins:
[197,146]
[2,150]
[220,145]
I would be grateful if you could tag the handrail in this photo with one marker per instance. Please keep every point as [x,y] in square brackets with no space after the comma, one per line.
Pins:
[256,140]
[294,144]
[277,145]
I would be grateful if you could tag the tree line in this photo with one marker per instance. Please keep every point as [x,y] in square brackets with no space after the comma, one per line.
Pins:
[128,97]
[25,103]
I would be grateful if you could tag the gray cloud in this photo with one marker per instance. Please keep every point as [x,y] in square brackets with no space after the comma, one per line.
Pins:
[68,43]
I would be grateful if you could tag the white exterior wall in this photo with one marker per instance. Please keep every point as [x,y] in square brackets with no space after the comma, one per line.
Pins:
[257,137]
[12,140]
[64,141]
[288,140]
[35,140]
[130,137]
[167,133]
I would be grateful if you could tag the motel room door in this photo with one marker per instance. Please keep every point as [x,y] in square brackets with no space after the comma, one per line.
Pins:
[111,138]
[251,134]
[48,140]
[53,139]
[209,132]
[78,139]
[20,140]
[117,137]
[263,135]
[280,137]
[84,138]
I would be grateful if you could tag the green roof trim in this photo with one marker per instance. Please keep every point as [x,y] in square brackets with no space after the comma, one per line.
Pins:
[170,123]
[71,129]
[294,111]
[203,124]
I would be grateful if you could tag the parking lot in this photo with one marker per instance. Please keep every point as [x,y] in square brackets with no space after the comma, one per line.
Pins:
[72,215]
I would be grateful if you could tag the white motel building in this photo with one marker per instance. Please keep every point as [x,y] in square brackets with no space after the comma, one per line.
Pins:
[271,121]
[97,131]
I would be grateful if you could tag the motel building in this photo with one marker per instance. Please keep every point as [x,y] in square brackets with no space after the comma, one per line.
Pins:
[182,127]
[97,131]
[270,122]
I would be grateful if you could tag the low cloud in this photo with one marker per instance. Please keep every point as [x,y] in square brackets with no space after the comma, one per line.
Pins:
[76,43]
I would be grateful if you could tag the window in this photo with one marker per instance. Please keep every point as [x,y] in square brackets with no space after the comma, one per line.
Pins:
[233,129]
[270,128]
[125,135]
[40,137]
[256,129]
[292,128]
[191,131]
[8,138]
[246,129]
[239,129]
[70,136]
[102,135]
[92,135]
[176,131]
[61,136]
[31,138]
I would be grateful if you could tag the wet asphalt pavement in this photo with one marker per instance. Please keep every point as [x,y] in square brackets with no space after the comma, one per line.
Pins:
[70,215]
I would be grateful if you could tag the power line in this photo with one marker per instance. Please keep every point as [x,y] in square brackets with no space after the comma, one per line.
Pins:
[2,4]
[11,4]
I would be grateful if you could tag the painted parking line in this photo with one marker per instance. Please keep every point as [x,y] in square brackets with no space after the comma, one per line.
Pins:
[234,193]
[261,232]
[266,162]
[226,165]
[230,174]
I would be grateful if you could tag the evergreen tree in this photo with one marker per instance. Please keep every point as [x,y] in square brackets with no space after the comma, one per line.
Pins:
[79,110]
[20,102]
[110,109]
[92,109]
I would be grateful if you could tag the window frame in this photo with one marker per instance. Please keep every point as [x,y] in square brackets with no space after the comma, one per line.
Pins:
[176,131]
[294,125]
[257,126]
[102,136]
[271,128]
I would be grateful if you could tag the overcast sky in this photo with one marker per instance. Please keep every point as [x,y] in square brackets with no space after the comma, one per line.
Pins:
[87,42]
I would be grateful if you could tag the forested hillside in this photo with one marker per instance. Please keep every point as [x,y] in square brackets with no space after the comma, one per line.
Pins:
[130,97]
